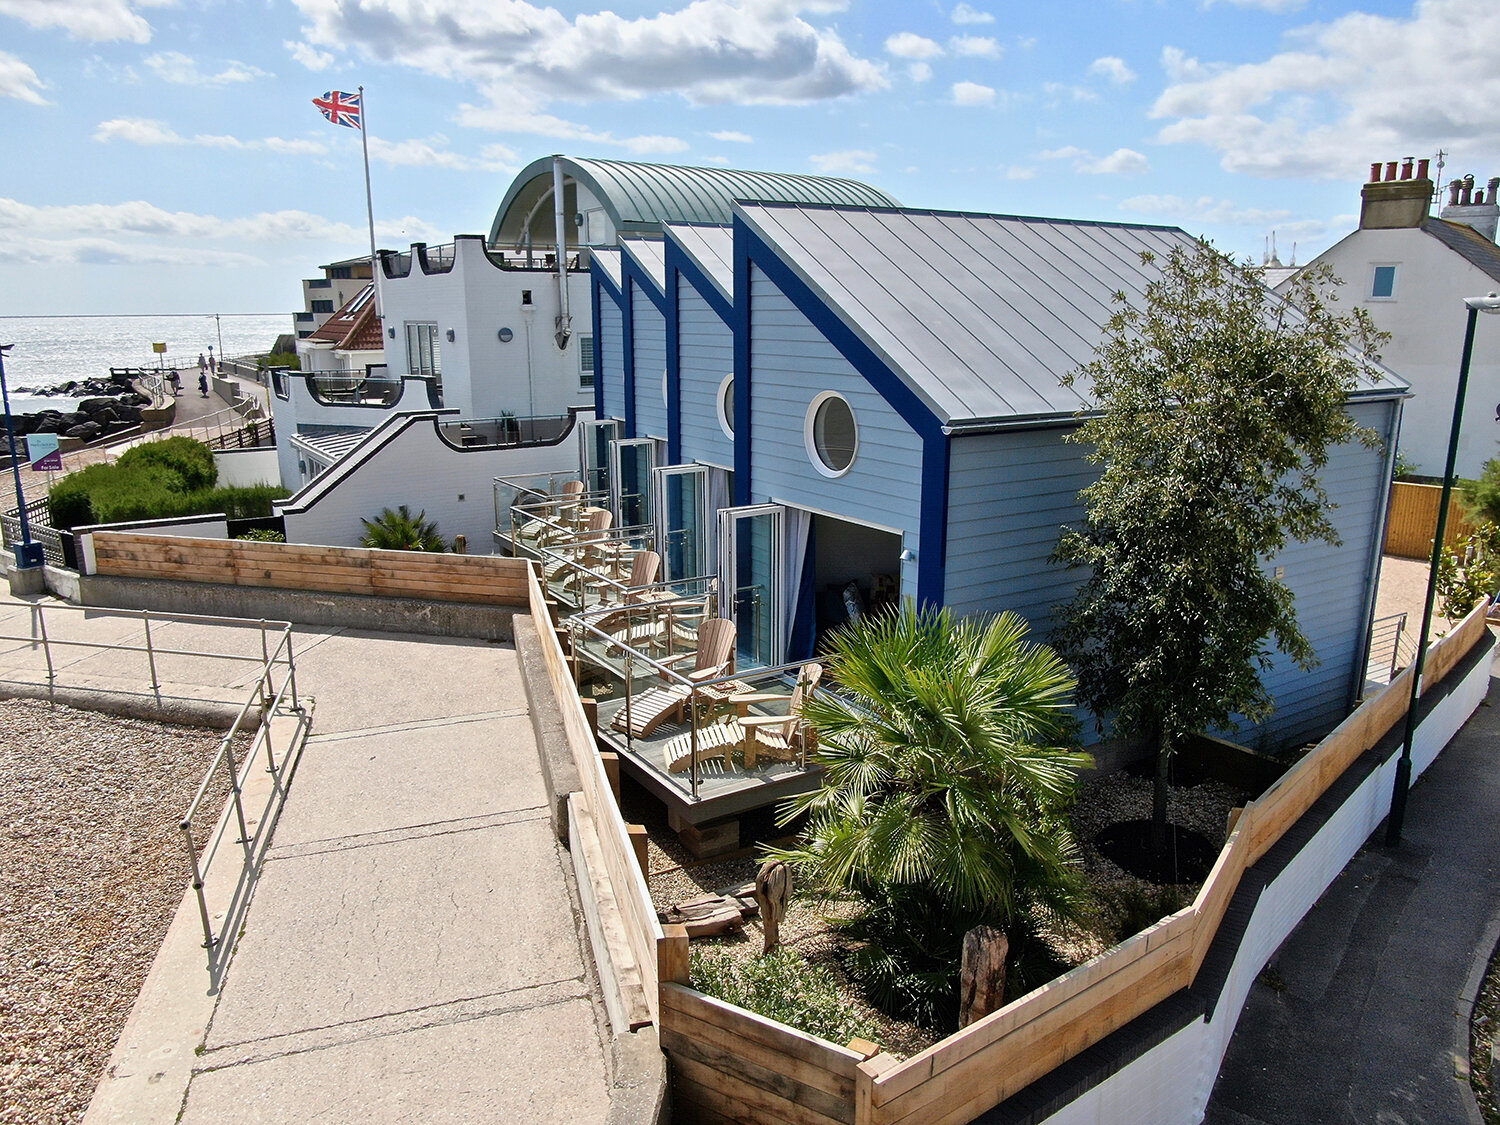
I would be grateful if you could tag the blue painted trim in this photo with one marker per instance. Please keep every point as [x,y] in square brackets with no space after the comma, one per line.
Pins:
[674,373]
[740,325]
[932,543]
[631,270]
[680,259]
[627,331]
[594,300]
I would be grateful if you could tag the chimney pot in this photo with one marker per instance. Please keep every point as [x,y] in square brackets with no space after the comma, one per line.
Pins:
[1406,167]
[1479,198]
[1422,168]
[1375,172]
[1390,169]
[1466,195]
[1454,187]
[1494,186]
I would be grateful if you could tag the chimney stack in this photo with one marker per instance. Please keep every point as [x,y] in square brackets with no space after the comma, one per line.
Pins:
[1477,209]
[1390,202]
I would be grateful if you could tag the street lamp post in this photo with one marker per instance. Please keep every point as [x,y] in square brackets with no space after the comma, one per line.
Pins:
[28,554]
[219,328]
[1475,305]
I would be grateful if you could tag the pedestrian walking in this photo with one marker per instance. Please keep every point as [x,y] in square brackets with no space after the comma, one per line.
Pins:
[202,364]
[176,382]
[203,385]
[212,366]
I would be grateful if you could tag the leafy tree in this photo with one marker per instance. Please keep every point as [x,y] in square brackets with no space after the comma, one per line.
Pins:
[1481,497]
[945,793]
[1217,405]
[1469,573]
[399,530]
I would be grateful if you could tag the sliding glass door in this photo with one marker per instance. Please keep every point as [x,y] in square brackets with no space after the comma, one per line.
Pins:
[630,463]
[682,509]
[751,589]
[593,455]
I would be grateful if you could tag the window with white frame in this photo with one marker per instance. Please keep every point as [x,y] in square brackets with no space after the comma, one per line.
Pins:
[831,434]
[1383,283]
[585,361]
[726,406]
[422,355]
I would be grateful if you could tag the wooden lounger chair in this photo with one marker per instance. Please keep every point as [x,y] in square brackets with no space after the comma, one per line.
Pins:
[713,658]
[716,742]
[782,738]
[565,514]
[597,522]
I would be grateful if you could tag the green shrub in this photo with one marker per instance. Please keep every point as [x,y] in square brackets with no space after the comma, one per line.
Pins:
[281,359]
[398,530]
[1481,498]
[780,986]
[1125,911]
[191,460]
[263,535]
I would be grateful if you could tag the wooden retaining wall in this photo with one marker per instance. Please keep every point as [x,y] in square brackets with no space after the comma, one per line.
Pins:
[626,911]
[732,1065]
[482,579]
[1413,520]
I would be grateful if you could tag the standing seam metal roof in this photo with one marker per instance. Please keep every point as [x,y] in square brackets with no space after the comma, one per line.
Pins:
[981,315]
[641,197]
[712,248]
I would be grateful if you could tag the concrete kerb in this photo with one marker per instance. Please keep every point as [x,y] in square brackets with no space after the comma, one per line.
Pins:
[638,1068]
[559,770]
[160,708]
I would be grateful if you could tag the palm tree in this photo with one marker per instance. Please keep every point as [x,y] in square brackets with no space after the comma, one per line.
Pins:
[946,787]
[399,530]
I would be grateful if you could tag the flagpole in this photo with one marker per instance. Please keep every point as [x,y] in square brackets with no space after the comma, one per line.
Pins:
[364,143]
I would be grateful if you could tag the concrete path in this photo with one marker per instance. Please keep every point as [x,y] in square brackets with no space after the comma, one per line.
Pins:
[413,950]
[1363,1017]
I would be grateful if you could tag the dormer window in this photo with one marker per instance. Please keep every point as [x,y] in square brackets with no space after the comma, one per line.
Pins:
[1383,284]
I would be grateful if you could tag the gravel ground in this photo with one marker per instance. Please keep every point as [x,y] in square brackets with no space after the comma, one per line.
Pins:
[91,872]
[675,876]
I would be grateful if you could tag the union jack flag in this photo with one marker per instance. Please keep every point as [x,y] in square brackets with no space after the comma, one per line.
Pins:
[340,108]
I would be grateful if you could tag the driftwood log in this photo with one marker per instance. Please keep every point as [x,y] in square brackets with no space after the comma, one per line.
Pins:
[982,977]
[773,887]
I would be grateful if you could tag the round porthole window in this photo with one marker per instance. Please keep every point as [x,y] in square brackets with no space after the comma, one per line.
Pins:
[831,435]
[664,400]
[726,406]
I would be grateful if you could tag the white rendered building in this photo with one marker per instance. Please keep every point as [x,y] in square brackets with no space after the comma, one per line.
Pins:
[1412,270]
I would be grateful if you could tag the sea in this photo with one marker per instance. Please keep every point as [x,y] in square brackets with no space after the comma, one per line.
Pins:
[53,350]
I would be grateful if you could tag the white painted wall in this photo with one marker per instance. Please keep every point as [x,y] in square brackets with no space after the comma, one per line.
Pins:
[1426,319]
[415,467]
[247,466]
[1171,1083]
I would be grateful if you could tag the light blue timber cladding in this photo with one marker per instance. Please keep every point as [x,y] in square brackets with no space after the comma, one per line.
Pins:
[791,362]
[1010,493]
[609,338]
[705,354]
[650,329]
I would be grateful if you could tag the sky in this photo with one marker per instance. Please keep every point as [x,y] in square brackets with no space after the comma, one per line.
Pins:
[163,156]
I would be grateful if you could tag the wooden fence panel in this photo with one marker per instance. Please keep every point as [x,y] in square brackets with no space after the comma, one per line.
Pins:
[479,579]
[1412,523]
[637,914]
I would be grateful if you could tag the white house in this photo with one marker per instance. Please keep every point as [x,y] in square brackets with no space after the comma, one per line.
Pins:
[1412,270]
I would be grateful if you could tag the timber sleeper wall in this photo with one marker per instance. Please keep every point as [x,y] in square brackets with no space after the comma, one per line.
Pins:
[1412,523]
[732,1065]
[480,579]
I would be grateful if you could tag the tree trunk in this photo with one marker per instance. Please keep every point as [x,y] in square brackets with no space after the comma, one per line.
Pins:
[773,887]
[982,977]
[1159,796]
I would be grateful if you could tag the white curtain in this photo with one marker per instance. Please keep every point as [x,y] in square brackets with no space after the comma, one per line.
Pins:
[797,525]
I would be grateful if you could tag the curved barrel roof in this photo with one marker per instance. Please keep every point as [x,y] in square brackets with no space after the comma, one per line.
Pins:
[641,197]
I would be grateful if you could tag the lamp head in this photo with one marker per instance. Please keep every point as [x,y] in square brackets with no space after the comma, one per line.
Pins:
[1489,304]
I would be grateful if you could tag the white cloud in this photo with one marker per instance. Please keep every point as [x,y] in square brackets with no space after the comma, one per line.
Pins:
[1359,88]
[524,58]
[721,161]
[972,93]
[909,45]
[1059,91]
[175,67]
[850,162]
[309,56]
[965,13]
[144,131]
[1263,5]
[1203,211]
[138,232]
[654,145]
[729,136]
[919,72]
[95,20]
[19,81]
[1019,172]
[1114,69]
[975,46]
[1121,162]
[433,152]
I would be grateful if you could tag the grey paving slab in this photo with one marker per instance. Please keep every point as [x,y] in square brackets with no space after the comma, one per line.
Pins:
[355,933]
[409,777]
[1367,1021]
[501,1068]
[369,679]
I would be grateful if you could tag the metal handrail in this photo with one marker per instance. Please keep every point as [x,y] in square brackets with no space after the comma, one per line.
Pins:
[269,700]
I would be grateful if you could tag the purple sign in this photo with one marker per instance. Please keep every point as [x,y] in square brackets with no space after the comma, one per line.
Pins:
[43,452]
